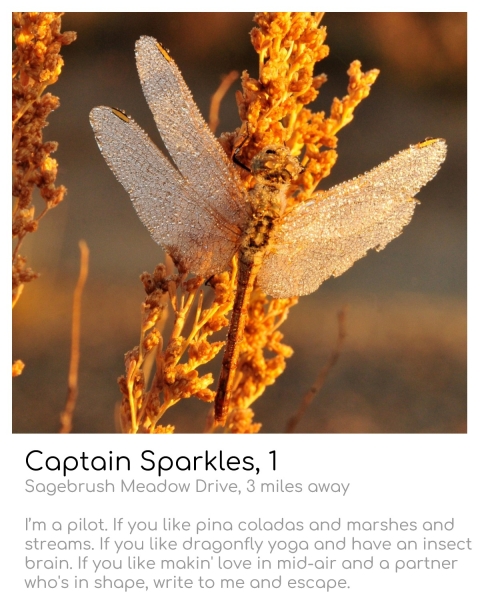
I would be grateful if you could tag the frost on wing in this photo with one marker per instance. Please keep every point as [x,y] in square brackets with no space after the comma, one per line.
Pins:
[188,139]
[324,236]
[173,210]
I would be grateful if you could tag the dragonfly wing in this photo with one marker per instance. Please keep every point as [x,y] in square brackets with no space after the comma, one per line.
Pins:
[166,203]
[324,236]
[188,139]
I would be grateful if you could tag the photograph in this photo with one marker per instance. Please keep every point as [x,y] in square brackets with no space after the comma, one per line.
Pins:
[239,223]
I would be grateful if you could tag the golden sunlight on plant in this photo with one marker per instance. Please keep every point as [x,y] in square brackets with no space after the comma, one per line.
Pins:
[272,111]
[272,106]
[36,64]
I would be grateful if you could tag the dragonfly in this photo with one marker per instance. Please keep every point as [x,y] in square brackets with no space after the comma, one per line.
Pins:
[199,212]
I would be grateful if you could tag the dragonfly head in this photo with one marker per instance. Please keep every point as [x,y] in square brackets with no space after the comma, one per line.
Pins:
[275,166]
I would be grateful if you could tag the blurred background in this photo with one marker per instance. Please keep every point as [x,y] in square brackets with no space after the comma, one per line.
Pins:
[403,365]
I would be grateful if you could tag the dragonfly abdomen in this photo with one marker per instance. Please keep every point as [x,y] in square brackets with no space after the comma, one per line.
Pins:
[247,272]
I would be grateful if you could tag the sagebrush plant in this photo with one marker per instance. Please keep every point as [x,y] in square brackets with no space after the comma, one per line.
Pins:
[272,112]
[36,64]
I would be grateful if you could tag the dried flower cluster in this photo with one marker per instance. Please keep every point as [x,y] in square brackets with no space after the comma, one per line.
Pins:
[17,368]
[36,64]
[272,110]
[143,405]
[272,106]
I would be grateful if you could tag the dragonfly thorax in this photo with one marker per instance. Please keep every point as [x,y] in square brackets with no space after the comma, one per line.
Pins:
[274,168]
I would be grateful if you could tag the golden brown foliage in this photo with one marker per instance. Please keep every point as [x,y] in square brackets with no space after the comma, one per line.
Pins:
[272,106]
[36,64]
[144,405]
